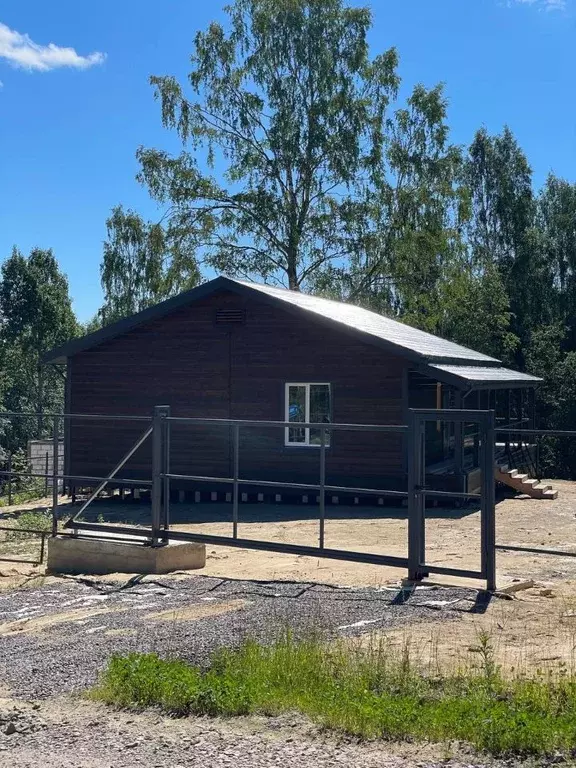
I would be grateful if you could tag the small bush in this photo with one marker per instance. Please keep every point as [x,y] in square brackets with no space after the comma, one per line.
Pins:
[366,693]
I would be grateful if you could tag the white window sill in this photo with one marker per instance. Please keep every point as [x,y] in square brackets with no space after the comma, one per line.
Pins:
[304,445]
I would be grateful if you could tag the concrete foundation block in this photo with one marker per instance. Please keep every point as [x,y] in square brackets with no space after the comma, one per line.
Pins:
[68,554]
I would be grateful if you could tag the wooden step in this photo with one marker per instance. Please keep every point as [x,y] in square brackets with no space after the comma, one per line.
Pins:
[525,484]
[530,481]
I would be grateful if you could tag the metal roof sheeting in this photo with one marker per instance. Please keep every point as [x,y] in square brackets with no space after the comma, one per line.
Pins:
[478,374]
[404,336]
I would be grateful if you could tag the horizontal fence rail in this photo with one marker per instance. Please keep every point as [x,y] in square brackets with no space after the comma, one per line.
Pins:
[535,550]
[294,486]
[68,416]
[257,544]
[539,432]
[79,478]
[328,427]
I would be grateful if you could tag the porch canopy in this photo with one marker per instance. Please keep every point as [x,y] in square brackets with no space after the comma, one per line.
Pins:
[510,394]
[470,377]
[490,386]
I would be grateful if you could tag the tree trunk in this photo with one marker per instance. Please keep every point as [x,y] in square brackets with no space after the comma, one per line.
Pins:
[291,271]
[40,405]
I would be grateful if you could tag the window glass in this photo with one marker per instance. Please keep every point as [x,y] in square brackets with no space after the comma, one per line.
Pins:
[297,412]
[319,411]
[307,403]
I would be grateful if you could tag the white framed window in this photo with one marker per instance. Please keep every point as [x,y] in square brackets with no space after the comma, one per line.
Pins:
[307,403]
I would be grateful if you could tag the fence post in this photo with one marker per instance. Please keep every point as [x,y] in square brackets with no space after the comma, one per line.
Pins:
[321,490]
[55,473]
[46,467]
[42,546]
[488,503]
[236,474]
[166,470]
[10,479]
[158,467]
[416,552]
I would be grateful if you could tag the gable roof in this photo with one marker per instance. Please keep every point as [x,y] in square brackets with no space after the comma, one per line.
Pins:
[397,337]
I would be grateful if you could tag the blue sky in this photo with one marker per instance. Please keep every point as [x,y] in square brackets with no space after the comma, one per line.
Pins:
[72,116]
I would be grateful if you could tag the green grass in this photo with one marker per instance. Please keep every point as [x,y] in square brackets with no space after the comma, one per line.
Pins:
[34,520]
[22,493]
[369,693]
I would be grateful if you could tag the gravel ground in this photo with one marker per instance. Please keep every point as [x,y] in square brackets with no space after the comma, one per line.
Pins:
[71,733]
[56,638]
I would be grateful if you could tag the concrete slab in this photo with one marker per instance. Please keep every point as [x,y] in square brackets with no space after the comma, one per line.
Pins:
[68,554]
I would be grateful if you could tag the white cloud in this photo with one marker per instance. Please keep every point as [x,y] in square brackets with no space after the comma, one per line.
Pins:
[19,50]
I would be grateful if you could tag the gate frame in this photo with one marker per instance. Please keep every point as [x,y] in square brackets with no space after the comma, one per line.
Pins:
[417,494]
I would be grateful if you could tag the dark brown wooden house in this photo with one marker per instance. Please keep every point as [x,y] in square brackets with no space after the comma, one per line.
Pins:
[236,350]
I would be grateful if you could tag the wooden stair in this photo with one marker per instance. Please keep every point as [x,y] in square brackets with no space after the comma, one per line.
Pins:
[524,484]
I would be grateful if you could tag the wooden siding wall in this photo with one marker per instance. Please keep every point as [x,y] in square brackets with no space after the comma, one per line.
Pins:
[202,369]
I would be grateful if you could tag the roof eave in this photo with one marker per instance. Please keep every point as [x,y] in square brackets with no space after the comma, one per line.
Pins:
[447,377]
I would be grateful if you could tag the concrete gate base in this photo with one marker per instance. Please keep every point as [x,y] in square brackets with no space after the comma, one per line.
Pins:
[71,554]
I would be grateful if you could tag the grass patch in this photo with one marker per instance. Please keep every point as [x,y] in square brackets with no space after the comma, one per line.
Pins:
[366,692]
[39,520]
[24,489]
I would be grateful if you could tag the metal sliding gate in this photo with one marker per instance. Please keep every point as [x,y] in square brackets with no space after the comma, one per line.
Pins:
[414,496]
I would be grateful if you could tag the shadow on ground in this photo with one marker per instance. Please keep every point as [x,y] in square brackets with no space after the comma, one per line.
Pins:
[113,511]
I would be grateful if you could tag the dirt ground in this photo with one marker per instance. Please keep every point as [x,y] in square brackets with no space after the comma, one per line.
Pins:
[536,627]
[533,628]
[65,733]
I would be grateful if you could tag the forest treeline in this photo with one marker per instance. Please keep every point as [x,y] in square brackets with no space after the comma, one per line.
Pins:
[300,164]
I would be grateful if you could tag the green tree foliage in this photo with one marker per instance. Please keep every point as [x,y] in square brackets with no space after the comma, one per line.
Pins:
[502,230]
[556,221]
[476,311]
[410,235]
[143,264]
[36,314]
[549,355]
[316,180]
